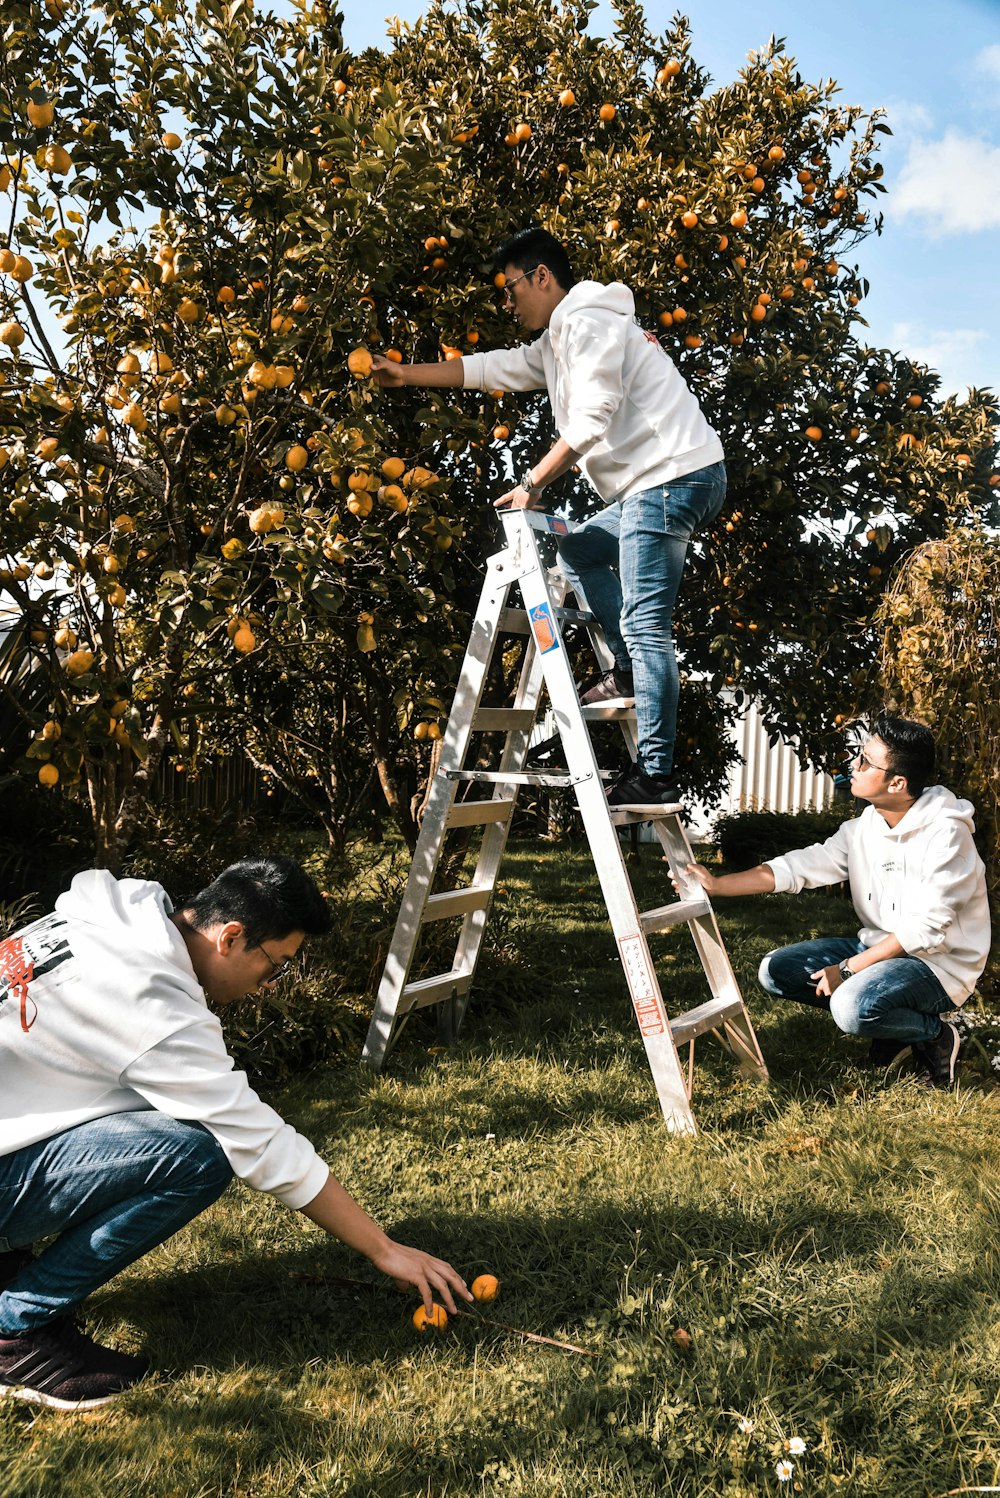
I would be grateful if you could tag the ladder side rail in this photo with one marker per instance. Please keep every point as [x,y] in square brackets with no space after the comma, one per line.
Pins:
[616,887]
[427,854]
[709,945]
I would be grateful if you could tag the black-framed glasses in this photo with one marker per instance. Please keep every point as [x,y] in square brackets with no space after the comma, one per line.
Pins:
[279,968]
[508,299]
[865,763]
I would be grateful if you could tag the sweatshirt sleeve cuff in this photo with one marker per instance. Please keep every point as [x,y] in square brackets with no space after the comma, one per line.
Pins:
[784,882]
[309,1187]
[474,371]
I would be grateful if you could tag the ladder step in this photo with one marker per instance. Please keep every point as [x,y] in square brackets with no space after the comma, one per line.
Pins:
[477,813]
[456,902]
[615,710]
[427,991]
[504,719]
[521,777]
[623,816]
[515,621]
[706,1017]
[677,913]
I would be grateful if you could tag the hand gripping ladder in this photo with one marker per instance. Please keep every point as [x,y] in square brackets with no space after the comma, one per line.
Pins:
[545,663]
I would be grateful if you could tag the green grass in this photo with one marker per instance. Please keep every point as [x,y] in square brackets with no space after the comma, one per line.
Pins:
[829,1243]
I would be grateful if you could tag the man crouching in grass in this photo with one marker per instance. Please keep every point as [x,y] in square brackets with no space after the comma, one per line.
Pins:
[122,1115]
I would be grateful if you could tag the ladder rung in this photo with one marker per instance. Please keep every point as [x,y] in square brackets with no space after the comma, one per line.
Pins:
[678,912]
[475,813]
[623,816]
[504,719]
[427,991]
[706,1017]
[606,712]
[515,621]
[451,902]
[520,777]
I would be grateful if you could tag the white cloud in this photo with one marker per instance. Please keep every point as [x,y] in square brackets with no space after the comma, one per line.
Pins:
[960,355]
[988,61]
[952,184]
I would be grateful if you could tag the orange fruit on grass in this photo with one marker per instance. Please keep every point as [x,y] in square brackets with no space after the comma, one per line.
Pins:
[436,1321]
[485,1287]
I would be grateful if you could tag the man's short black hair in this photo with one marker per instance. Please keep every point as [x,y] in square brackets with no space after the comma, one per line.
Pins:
[533,247]
[911,749]
[270,897]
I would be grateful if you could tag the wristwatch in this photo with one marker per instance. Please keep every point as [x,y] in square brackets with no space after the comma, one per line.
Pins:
[845,970]
[528,483]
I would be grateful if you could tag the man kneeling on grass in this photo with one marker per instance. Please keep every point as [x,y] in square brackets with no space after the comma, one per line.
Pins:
[122,1116]
[919,890]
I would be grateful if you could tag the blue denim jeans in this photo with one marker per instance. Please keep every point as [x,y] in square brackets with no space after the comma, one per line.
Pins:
[625,564]
[111,1190]
[900,999]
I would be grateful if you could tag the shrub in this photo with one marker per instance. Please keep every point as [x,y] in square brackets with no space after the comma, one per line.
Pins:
[746,838]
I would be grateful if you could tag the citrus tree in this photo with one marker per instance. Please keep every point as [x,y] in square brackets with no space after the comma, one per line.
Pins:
[212,218]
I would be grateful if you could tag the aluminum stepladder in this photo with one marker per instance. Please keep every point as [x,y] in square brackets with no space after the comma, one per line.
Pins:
[545,663]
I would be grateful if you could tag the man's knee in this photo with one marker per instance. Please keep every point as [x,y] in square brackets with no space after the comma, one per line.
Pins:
[194,1159]
[773,973]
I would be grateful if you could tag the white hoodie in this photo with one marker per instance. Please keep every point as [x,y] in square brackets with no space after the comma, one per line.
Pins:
[921,881]
[617,398]
[101,1012]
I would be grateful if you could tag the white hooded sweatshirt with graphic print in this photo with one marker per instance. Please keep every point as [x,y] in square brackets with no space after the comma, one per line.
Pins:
[921,881]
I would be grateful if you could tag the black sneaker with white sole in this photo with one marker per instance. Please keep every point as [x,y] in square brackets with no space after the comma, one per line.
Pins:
[56,1365]
[936,1058]
[634,788]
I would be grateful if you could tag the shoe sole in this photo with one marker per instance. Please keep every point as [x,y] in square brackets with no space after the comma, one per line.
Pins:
[35,1396]
[649,808]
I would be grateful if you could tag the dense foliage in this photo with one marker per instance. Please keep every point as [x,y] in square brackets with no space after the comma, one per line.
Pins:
[216,532]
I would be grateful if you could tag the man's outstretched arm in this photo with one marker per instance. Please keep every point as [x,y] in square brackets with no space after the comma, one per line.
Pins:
[337,1213]
[758,881]
[443,375]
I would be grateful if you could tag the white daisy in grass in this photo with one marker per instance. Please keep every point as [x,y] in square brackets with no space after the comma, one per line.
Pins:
[746,1426]
[784,1471]
[795,1446]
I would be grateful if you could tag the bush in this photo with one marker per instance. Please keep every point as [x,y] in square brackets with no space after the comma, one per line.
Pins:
[747,838]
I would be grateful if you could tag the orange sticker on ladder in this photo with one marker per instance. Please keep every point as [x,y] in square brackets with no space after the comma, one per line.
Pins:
[642,985]
[543,627]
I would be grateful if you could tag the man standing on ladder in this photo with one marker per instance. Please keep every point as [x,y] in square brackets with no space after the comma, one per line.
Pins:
[626,417]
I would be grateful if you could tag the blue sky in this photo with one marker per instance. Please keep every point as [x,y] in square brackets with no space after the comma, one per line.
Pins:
[935,68]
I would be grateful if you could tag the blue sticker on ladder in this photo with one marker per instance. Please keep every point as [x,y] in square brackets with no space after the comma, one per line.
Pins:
[544,629]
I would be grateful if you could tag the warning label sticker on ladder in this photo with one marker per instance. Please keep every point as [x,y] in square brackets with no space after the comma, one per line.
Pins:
[541,623]
[642,986]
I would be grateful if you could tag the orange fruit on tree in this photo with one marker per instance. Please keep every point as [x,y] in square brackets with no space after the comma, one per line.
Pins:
[666,319]
[170,140]
[284,375]
[567,98]
[226,295]
[814,433]
[48,776]
[739,218]
[244,639]
[776,153]
[135,417]
[689,219]
[41,115]
[501,432]
[758,313]
[394,356]
[393,468]
[296,458]
[485,1287]
[670,69]
[359,362]
[914,400]
[57,160]
[607,113]
[436,1321]
[79,662]
[693,340]
[22,270]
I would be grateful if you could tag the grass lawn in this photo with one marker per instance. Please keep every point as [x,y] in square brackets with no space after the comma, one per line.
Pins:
[829,1244]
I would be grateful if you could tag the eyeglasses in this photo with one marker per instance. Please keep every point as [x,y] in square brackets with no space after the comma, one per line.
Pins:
[861,759]
[507,298]
[280,968]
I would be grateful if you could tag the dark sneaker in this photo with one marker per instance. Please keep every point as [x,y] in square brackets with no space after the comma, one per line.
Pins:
[889,1055]
[58,1366]
[636,788]
[936,1058]
[11,1264]
[614,684]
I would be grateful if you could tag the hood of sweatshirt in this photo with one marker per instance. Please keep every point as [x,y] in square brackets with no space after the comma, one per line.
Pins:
[590,296]
[937,804]
[127,918]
